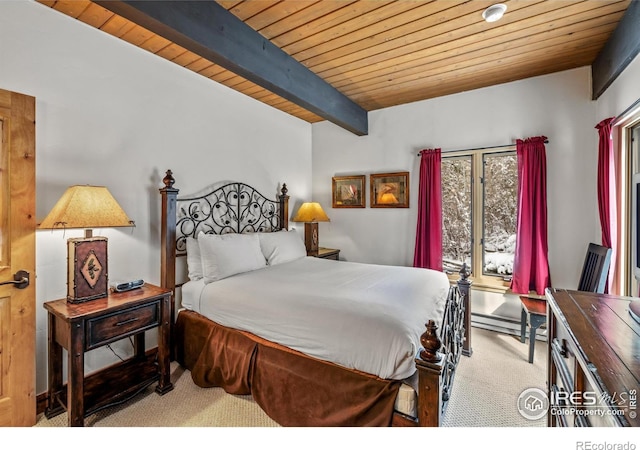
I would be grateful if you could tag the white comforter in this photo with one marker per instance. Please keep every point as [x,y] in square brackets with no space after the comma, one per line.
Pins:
[361,316]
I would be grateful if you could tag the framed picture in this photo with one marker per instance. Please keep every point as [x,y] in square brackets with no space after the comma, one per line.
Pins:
[389,190]
[349,192]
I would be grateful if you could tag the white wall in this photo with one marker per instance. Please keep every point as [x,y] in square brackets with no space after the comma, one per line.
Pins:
[557,106]
[111,114]
[623,92]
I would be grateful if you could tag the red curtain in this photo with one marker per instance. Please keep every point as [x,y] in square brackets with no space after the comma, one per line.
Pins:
[531,264]
[605,156]
[606,187]
[428,251]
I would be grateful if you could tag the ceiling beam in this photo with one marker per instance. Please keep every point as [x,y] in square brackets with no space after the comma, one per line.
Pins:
[210,31]
[618,52]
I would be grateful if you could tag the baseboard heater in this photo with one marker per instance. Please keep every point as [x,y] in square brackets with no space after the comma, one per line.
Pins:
[500,324]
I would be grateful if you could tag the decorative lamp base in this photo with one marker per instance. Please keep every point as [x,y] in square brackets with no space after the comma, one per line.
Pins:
[311,238]
[87,277]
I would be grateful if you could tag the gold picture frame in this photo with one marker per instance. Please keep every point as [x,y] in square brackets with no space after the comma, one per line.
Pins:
[349,192]
[389,190]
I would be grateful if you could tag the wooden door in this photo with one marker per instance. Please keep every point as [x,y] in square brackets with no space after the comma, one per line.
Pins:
[17,253]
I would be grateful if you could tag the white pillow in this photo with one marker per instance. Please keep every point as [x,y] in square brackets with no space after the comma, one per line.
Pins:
[282,246]
[194,261]
[229,254]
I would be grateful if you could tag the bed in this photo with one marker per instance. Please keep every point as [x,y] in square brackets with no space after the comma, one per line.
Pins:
[315,342]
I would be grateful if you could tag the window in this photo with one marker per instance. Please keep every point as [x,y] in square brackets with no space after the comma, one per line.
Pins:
[479,213]
[626,136]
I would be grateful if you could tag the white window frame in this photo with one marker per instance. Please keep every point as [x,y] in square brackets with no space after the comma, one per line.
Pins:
[630,168]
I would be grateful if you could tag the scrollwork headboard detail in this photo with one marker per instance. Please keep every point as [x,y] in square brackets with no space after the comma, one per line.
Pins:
[233,207]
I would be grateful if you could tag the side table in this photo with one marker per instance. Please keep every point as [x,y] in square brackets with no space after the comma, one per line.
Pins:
[328,253]
[81,327]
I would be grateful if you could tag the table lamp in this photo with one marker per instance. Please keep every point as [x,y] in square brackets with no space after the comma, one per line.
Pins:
[86,207]
[311,213]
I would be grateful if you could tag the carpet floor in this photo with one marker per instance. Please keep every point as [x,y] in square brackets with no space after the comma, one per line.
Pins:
[485,393]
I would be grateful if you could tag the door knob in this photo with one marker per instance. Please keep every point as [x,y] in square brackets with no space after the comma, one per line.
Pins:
[20,279]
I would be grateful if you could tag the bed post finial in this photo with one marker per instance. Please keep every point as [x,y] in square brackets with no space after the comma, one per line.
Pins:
[431,343]
[168,179]
[464,272]
[284,189]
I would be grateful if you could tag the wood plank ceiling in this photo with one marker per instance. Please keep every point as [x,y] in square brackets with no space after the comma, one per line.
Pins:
[382,53]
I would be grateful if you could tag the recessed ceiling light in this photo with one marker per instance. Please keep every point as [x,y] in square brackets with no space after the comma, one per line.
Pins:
[494,12]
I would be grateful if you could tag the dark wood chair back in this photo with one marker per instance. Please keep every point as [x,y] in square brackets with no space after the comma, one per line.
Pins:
[595,269]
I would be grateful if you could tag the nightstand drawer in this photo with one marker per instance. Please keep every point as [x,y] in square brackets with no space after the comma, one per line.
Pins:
[103,330]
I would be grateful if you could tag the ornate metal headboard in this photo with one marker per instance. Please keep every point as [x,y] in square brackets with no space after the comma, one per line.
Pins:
[232,207]
[228,208]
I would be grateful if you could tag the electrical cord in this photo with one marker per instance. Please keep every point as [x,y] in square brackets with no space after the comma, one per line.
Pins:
[116,354]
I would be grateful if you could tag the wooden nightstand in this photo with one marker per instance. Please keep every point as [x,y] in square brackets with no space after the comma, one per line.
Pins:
[328,253]
[81,327]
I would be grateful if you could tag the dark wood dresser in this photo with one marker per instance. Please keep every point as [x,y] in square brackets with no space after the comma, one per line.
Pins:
[593,360]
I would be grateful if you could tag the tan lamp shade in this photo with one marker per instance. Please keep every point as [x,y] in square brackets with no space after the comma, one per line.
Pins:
[86,207]
[311,212]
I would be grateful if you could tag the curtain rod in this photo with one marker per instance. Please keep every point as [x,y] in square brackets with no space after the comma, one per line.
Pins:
[481,148]
[623,115]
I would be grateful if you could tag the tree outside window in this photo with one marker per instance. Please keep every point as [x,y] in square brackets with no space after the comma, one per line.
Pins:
[479,213]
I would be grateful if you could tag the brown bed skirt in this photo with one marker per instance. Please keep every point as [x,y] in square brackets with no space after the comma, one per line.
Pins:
[292,388]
